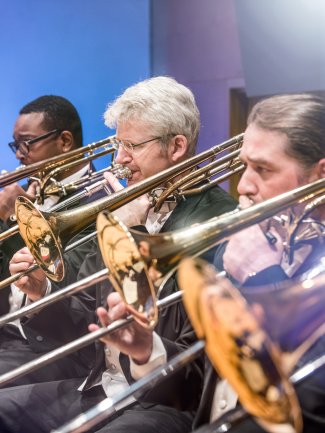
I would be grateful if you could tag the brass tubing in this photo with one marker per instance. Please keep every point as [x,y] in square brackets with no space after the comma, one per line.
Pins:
[64,293]
[105,408]
[79,343]
[50,163]
[58,228]
[169,249]
[88,190]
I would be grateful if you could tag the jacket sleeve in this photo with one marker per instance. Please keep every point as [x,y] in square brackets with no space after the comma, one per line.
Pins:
[183,388]
[67,319]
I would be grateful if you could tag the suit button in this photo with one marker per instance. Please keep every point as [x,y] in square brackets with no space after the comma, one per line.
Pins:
[111,367]
[39,338]
[223,404]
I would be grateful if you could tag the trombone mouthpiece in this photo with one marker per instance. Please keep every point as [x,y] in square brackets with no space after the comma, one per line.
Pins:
[121,172]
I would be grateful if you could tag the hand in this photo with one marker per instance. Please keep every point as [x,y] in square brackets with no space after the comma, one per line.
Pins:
[134,213]
[8,198]
[33,284]
[134,340]
[249,251]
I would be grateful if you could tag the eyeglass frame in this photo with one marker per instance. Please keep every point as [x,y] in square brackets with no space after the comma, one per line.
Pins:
[116,143]
[14,145]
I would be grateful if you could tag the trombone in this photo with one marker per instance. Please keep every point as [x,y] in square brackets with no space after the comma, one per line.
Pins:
[46,234]
[43,169]
[49,170]
[106,407]
[165,252]
[91,183]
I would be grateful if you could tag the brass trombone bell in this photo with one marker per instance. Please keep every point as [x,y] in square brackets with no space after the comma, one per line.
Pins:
[245,331]
[127,269]
[202,279]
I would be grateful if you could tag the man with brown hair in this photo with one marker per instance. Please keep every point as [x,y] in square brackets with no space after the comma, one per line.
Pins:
[284,148]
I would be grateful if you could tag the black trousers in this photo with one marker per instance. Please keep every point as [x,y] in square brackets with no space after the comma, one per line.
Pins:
[16,351]
[39,408]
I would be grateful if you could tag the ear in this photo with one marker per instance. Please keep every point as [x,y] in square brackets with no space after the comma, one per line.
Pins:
[177,148]
[66,141]
[320,169]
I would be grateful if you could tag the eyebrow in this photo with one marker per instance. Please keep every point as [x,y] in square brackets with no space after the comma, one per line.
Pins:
[256,160]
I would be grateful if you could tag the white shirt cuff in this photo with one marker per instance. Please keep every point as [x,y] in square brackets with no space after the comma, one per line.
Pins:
[158,357]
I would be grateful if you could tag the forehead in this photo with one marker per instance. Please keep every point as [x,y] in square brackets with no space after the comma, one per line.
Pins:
[31,123]
[263,144]
[133,130]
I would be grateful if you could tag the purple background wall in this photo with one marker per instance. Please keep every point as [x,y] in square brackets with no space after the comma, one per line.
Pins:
[197,43]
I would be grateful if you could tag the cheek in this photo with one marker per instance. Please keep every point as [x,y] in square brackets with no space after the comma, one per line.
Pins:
[278,187]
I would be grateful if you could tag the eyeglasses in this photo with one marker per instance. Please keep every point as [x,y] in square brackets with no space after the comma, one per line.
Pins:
[127,145]
[23,145]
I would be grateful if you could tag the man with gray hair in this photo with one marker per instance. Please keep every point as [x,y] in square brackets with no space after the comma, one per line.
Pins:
[157,125]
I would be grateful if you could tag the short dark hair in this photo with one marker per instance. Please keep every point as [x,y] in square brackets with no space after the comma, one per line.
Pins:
[301,117]
[59,113]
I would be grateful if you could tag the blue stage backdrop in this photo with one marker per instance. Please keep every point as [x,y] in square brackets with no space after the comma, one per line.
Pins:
[88,51]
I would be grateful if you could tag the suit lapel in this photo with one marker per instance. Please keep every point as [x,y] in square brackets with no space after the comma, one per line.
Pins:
[177,217]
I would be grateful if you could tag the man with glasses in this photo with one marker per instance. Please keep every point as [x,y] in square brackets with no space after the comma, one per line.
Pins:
[157,126]
[47,126]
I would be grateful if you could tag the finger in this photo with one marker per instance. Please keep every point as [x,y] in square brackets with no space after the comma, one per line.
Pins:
[15,268]
[119,311]
[22,282]
[103,316]
[113,299]
[24,250]
[113,181]
[31,190]
[93,327]
[22,257]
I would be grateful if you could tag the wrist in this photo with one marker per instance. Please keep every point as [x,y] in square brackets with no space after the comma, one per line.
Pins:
[143,356]
[43,290]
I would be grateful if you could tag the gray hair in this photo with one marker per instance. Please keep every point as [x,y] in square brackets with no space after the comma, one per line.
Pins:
[167,107]
[301,117]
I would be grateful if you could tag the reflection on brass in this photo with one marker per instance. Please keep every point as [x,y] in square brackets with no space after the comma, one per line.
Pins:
[237,345]
[128,272]
[40,239]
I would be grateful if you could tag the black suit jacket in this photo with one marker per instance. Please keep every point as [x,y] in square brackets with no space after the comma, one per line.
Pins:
[39,340]
[181,391]
[310,392]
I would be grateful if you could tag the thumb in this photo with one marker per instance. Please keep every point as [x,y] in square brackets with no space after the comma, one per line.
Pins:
[31,190]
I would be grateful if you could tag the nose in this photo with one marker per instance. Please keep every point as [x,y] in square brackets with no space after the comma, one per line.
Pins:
[122,157]
[247,185]
[19,155]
